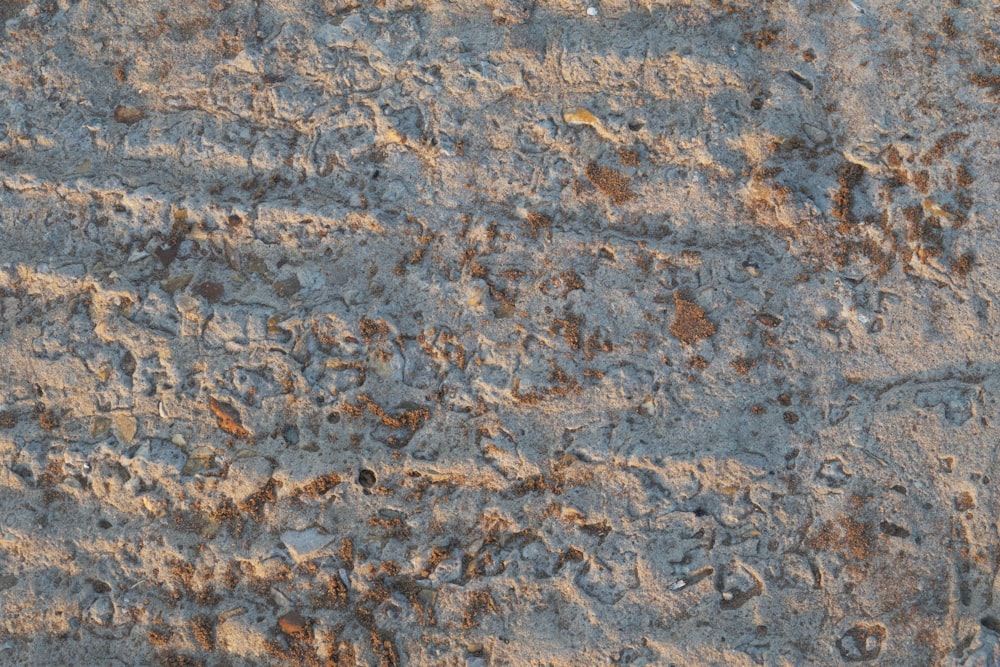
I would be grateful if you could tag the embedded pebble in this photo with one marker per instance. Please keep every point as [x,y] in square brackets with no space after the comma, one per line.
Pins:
[577,116]
[101,611]
[293,623]
[816,134]
[126,427]
[862,642]
[580,116]
[305,545]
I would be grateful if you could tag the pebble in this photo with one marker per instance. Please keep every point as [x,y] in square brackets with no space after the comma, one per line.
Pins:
[591,11]
[305,545]
[580,116]
[99,426]
[293,623]
[101,611]
[200,459]
[816,134]
[427,597]
[177,283]
[126,427]
[287,287]
[128,115]
[647,407]
[211,291]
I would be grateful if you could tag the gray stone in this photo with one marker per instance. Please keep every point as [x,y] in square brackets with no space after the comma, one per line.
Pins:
[305,545]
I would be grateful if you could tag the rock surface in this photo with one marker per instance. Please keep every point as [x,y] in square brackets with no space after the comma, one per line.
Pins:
[499,333]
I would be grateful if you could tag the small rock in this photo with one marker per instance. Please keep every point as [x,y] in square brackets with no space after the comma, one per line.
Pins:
[862,642]
[287,287]
[428,597]
[768,320]
[129,364]
[893,529]
[366,478]
[128,115]
[200,460]
[647,407]
[99,426]
[579,116]
[305,545]
[177,283]
[101,611]
[210,290]
[803,81]
[293,623]
[816,135]
[166,253]
[126,427]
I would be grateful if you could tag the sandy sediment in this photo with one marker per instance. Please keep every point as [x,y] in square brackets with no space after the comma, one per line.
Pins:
[463,333]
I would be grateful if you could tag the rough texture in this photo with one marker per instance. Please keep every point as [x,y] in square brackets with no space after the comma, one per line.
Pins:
[464,333]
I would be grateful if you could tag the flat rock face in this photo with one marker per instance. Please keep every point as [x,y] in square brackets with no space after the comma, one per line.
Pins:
[305,545]
[505,332]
